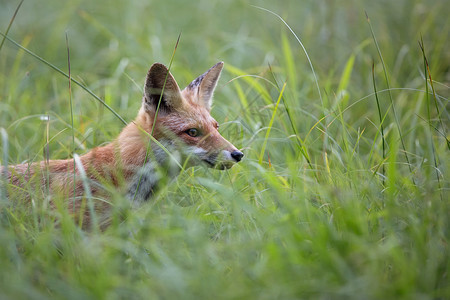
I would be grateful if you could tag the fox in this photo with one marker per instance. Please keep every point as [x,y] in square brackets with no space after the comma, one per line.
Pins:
[172,126]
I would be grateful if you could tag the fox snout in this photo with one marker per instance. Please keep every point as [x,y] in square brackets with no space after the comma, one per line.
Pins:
[221,160]
[237,155]
[227,159]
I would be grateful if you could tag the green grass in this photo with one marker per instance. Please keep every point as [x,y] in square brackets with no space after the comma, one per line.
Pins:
[338,197]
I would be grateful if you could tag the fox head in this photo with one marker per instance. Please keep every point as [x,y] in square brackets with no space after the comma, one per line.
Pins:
[182,119]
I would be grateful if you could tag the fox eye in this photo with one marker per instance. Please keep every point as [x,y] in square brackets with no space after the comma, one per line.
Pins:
[193,132]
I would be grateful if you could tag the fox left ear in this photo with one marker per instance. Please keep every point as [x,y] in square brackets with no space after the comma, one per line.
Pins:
[206,83]
[159,80]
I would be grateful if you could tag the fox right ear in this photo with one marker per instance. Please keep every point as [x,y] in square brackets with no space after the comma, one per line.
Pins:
[159,80]
[205,84]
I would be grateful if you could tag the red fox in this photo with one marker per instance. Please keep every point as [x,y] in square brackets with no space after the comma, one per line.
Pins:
[179,121]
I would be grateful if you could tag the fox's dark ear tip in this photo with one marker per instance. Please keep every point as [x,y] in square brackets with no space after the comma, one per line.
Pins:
[219,64]
[158,66]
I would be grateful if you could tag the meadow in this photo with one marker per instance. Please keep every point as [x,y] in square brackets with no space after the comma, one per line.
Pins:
[341,109]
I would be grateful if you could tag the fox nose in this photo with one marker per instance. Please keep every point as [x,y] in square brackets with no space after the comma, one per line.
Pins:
[237,155]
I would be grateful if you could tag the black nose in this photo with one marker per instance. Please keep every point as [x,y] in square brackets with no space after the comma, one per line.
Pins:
[237,155]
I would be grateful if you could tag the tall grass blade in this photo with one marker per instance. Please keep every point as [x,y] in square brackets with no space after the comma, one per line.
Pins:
[263,149]
[71,115]
[397,122]
[4,165]
[301,44]
[427,71]
[433,151]
[343,95]
[291,72]
[383,141]
[47,156]
[10,24]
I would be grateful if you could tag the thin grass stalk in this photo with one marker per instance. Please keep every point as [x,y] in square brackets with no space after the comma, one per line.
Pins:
[381,121]
[47,156]
[301,44]
[71,115]
[10,24]
[397,123]
[165,80]
[344,130]
[427,71]
[433,150]
[4,170]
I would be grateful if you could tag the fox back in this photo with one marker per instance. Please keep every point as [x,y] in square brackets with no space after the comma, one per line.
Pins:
[173,129]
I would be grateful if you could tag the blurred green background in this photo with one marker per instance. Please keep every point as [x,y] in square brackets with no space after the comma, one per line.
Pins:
[317,209]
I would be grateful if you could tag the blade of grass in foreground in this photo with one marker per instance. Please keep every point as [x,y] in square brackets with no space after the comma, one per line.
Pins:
[263,149]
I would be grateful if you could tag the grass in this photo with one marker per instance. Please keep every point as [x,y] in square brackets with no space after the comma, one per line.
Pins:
[339,196]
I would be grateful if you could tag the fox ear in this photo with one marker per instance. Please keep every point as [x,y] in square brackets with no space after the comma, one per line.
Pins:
[159,80]
[206,83]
